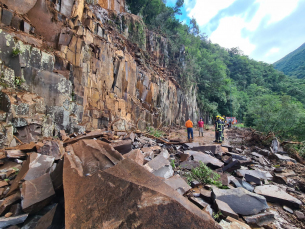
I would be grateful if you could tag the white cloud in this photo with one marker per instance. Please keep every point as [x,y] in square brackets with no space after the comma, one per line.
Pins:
[205,10]
[229,31]
[229,35]
[275,10]
[272,51]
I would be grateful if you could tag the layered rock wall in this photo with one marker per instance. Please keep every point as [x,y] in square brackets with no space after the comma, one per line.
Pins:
[75,66]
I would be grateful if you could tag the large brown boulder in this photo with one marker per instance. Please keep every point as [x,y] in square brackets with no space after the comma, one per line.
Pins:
[20,6]
[125,196]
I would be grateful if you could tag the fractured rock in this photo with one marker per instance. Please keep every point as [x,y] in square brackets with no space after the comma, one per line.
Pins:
[135,155]
[165,172]
[138,193]
[5,222]
[157,163]
[206,195]
[300,215]
[199,202]
[275,194]
[241,201]
[37,193]
[205,158]
[225,209]
[251,178]
[15,153]
[8,201]
[231,166]
[260,219]
[285,158]
[123,146]
[241,183]
[257,173]
[178,184]
[51,148]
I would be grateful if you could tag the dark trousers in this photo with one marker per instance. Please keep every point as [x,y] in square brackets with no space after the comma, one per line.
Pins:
[219,136]
[190,132]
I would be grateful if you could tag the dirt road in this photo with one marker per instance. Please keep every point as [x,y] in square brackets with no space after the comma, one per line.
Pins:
[207,139]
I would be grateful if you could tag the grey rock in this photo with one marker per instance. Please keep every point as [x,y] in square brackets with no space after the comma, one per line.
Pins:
[205,158]
[251,178]
[241,183]
[287,209]
[198,201]
[7,16]
[234,165]
[285,158]
[257,173]
[241,201]
[156,163]
[260,219]
[225,209]
[300,215]
[275,194]
[5,222]
[165,172]
[176,182]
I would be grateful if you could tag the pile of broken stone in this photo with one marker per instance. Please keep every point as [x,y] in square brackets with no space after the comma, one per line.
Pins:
[106,179]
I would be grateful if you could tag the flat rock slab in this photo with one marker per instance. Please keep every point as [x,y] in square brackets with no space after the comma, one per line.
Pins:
[199,202]
[5,222]
[51,148]
[234,165]
[276,195]
[225,209]
[123,146]
[191,145]
[165,172]
[241,183]
[285,158]
[178,183]
[15,154]
[140,195]
[135,155]
[157,163]
[189,164]
[8,201]
[205,158]
[39,165]
[260,219]
[37,193]
[212,148]
[241,201]
[256,173]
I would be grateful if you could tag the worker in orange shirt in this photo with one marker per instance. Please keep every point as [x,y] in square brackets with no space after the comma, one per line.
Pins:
[189,126]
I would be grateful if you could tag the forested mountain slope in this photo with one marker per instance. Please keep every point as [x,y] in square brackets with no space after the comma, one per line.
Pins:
[293,64]
[228,82]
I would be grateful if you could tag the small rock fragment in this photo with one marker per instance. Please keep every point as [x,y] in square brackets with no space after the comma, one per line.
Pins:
[260,219]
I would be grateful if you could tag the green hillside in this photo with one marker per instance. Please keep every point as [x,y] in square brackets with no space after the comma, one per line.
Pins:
[293,64]
[227,81]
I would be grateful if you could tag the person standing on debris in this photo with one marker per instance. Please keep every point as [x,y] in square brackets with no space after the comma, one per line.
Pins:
[215,126]
[222,128]
[200,126]
[219,130]
[189,126]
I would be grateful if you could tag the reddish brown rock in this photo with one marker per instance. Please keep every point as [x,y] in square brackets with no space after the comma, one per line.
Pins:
[37,193]
[15,154]
[136,155]
[144,199]
[20,6]
[8,201]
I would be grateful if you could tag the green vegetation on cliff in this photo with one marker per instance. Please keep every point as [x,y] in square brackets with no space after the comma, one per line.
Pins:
[293,64]
[228,82]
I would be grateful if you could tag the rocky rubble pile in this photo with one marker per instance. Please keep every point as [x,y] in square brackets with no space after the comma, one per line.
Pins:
[106,179]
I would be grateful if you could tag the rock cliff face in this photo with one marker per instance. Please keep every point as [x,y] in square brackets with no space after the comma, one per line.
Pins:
[78,65]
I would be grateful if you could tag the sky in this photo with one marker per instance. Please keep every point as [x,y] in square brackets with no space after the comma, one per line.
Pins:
[265,30]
